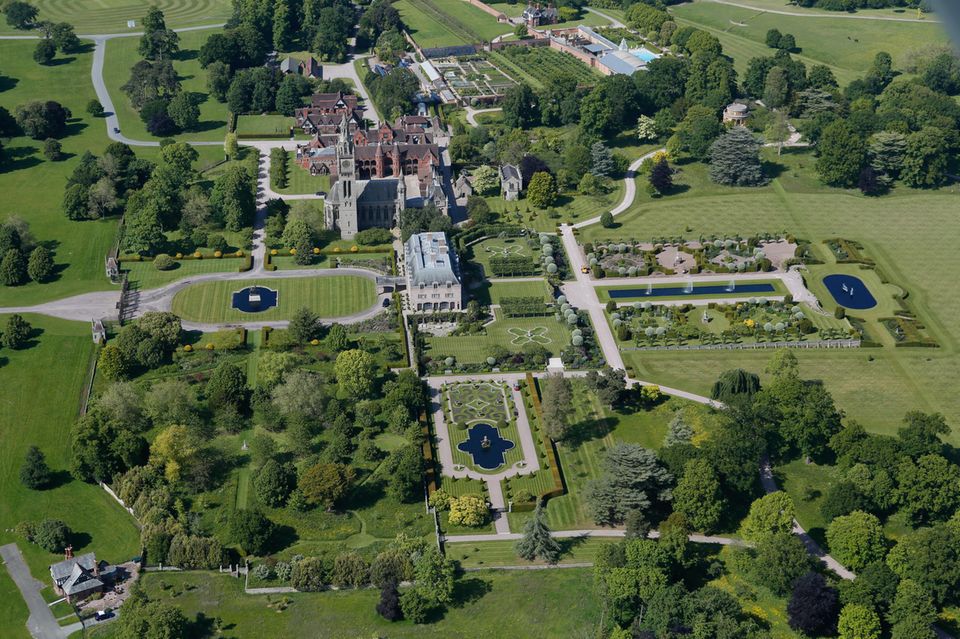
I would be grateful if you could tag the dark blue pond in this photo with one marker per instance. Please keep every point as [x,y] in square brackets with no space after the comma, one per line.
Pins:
[254,299]
[486,446]
[849,291]
[702,289]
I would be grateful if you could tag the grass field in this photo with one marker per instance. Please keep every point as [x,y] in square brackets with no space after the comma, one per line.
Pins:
[111,16]
[327,296]
[790,7]
[488,554]
[144,276]
[13,613]
[901,231]
[121,55]
[32,186]
[53,367]
[299,180]
[511,333]
[846,45]
[265,126]
[441,23]
[539,64]
[557,603]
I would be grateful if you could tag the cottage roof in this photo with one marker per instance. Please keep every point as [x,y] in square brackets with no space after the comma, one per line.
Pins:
[62,569]
[509,172]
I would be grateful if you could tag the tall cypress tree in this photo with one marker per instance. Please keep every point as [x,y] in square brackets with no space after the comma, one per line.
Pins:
[537,541]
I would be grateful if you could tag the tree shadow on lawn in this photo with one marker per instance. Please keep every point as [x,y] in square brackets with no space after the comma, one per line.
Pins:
[74,127]
[283,536]
[772,170]
[59,62]
[80,540]
[20,157]
[186,54]
[587,430]
[7,83]
[207,125]
[58,479]
[468,590]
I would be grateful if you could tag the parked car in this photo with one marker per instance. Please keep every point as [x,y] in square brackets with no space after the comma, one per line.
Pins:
[104,614]
[321,194]
[516,386]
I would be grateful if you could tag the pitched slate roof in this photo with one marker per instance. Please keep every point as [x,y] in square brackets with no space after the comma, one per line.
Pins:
[76,575]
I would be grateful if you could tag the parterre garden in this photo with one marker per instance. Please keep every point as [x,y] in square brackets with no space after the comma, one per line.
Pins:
[473,76]
[469,403]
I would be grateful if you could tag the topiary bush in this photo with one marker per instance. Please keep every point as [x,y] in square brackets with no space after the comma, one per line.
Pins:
[164,262]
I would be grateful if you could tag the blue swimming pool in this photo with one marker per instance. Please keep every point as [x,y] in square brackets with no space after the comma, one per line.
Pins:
[849,291]
[485,445]
[254,299]
[644,54]
[694,291]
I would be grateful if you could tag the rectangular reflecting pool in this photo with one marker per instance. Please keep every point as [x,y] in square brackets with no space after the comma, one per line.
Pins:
[694,291]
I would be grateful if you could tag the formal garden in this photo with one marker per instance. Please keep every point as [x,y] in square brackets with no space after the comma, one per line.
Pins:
[752,321]
[482,425]
[472,77]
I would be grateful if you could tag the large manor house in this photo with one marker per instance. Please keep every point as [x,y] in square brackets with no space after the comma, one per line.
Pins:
[375,172]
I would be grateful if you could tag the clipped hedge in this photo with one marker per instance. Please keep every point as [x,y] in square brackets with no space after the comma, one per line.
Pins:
[247,264]
[430,473]
[550,448]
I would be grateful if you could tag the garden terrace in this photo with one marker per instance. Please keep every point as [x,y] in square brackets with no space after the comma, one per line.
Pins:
[473,77]
[335,296]
[487,405]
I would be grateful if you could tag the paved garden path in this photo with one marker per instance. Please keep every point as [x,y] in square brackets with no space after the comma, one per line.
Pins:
[41,623]
[473,113]
[592,532]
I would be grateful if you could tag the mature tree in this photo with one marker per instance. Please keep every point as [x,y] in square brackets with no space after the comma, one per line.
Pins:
[697,496]
[537,543]
[298,396]
[661,175]
[696,132]
[602,163]
[776,87]
[145,619]
[356,372]
[557,398]
[52,535]
[34,473]
[13,268]
[633,480]
[251,530]
[770,515]
[858,622]
[813,606]
[327,484]
[912,601]
[63,35]
[290,95]
[219,79]
[389,605]
[433,576]
[542,190]
[930,557]
[929,489]
[227,387]
[842,153]
[803,412]
[151,81]
[780,559]
[921,433]
[304,325]
[645,18]
[274,482]
[393,92]
[856,540]
[778,131]
[404,470]
[157,42]
[647,129]
[45,51]
[16,332]
[773,38]
[20,15]
[184,111]
[735,384]
[927,157]
[521,109]
[735,159]
[233,199]
[42,120]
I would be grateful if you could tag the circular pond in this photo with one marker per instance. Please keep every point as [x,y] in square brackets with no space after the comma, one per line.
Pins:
[485,445]
[254,299]
[849,291]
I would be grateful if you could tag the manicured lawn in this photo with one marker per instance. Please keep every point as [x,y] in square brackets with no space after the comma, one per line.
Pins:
[145,276]
[32,186]
[121,55]
[493,292]
[264,126]
[557,603]
[377,261]
[111,16]
[903,232]
[299,180]
[440,23]
[849,45]
[53,367]
[503,553]
[495,247]
[511,333]
[327,296]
